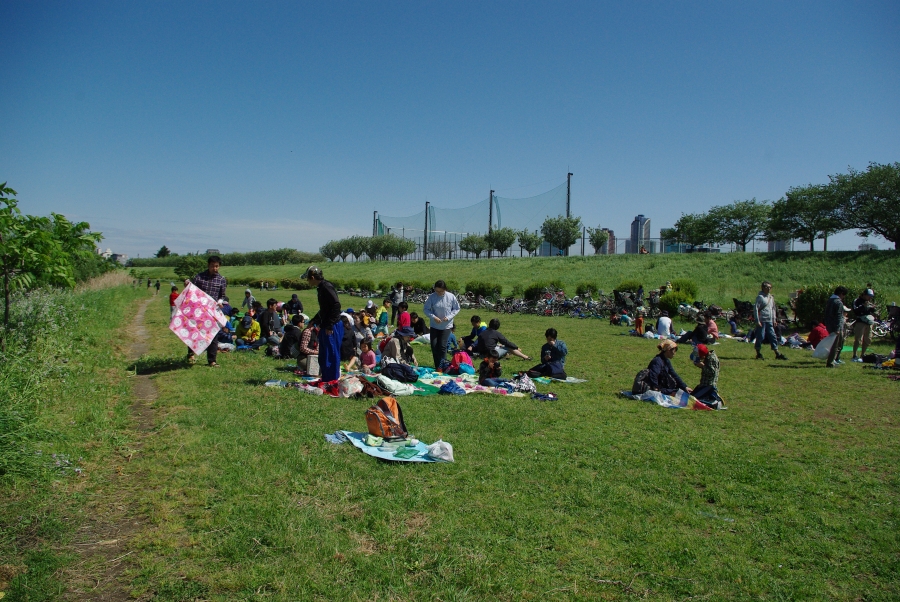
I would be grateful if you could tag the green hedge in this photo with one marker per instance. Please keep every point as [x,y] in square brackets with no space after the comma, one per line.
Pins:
[586,288]
[535,291]
[686,286]
[671,300]
[485,289]
[629,285]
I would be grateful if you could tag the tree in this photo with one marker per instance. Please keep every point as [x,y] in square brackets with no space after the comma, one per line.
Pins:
[598,238]
[871,199]
[740,222]
[329,250]
[530,241]
[342,247]
[282,256]
[475,244]
[501,239]
[400,247]
[189,266]
[163,252]
[806,213]
[357,246]
[439,249]
[694,229]
[561,231]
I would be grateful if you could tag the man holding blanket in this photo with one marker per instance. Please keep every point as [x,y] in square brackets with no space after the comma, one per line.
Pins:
[213,284]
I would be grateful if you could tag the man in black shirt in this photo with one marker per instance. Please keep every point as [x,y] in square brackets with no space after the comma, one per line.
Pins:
[290,342]
[270,324]
[331,331]
[294,306]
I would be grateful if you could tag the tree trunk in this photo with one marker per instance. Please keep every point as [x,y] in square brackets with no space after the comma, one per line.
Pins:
[825,238]
[812,243]
[5,312]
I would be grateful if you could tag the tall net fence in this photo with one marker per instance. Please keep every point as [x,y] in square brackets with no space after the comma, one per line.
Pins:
[446,226]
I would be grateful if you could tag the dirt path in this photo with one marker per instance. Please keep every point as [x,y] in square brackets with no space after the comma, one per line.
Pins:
[113,517]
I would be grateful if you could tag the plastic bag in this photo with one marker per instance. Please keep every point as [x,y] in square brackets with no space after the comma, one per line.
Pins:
[824,347]
[349,387]
[441,451]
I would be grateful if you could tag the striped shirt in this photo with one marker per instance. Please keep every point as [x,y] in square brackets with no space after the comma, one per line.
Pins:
[211,284]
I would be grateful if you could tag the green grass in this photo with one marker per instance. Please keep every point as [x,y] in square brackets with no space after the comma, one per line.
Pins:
[790,494]
[720,276]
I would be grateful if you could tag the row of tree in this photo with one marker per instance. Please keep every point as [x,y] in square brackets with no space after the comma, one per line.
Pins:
[561,232]
[36,251]
[166,258]
[866,201]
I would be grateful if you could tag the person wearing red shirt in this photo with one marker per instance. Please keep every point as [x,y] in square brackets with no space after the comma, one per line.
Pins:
[172,296]
[818,333]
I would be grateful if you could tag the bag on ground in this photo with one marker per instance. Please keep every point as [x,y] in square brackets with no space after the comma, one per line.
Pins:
[395,387]
[385,419]
[400,372]
[824,347]
[640,385]
[441,450]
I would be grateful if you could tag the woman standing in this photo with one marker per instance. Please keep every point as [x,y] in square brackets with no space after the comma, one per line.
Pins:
[440,307]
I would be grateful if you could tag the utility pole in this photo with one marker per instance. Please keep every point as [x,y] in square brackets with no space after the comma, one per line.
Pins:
[569,203]
[425,239]
[490,219]
[582,240]
[374,223]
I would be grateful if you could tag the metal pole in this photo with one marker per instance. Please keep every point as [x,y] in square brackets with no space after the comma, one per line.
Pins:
[490,218]
[374,222]
[582,240]
[425,239]
[569,201]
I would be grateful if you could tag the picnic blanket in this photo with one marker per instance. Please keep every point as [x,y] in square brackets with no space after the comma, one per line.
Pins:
[197,318]
[546,380]
[385,452]
[680,401]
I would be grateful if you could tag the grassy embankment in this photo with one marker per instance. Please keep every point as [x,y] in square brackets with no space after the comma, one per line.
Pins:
[790,494]
[720,276]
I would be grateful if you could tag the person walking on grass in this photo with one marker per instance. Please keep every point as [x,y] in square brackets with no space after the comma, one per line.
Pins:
[331,329]
[764,315]
[863,311]
[396,296]
[834,321]
[172,296]
[440,308]
[213,284]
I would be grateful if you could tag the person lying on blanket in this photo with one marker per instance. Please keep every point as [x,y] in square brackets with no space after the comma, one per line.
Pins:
[661,376]
[553,358]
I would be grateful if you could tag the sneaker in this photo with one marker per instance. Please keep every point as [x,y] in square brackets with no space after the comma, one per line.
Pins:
[781,356]
[759,356]
[838,362]
[858,360]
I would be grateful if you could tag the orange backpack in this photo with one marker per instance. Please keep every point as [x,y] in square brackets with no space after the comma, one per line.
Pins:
[385,419]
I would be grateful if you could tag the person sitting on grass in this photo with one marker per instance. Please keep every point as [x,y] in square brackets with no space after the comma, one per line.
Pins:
[270,324]
[452,342]
[712,328]
[290,342]
[417,323]
[735,331]
[470,342]
[614,319]
[294,306]
[366,359]
[660,375]
[699,335]
[309,346]
[817,333]
[553,358]
[707,391]
[491,338]
[248,332]
[403,318]
[398,348]
[489,371]
[664,325]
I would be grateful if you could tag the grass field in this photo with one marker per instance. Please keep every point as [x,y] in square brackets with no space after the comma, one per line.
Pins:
[720,276]
[789,494]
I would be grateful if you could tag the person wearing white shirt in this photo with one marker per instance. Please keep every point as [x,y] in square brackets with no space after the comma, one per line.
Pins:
[664,325]
[440,308]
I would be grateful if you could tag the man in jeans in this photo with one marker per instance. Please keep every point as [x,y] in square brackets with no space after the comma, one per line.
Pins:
[834,321]
[863,309]
[764,314]
[213,284]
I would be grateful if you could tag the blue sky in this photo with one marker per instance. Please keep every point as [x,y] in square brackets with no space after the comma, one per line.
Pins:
[256,125]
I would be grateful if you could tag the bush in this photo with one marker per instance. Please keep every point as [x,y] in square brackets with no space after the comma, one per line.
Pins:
[485,289]
[586,288]
[629,285]
[686,286]
[518,291]
[384,286]
[812,299]
[347,285]
[671,300]
[536,290]
[452,286]
[366,285]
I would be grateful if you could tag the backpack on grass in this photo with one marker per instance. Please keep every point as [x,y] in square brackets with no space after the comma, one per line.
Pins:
[385,420]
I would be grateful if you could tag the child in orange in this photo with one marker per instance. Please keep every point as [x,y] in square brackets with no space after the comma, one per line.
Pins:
[639,324]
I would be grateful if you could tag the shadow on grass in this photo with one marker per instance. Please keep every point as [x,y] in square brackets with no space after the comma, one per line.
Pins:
[787,366]
[256,382]
[156,365]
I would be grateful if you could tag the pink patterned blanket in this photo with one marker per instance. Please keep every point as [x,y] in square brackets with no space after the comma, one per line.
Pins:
[197,318]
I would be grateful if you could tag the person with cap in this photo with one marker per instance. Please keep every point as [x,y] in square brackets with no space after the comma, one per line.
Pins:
[708,362]
[249,300]
[664,325]
[863,311]
[764,315]
[294,306]
[213,284]
[398,348]
[331,329]
[440,308]
[834,322]
[660,375]
[248,331]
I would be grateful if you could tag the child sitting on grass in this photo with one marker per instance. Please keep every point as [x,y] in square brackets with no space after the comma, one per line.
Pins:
[707,391]
[489,371]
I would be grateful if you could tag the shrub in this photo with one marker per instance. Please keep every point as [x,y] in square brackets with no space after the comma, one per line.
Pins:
[686,286]
[485,289]
[452,286]
[384,286]
[347,285]
[812,299]
[536,290]
[586,288]
[629,285]
[671,300]
[517,291]
[366,285]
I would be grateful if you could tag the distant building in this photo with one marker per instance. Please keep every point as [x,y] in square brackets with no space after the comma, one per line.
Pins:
[779,245]
[104,254]
[212,252]
[640,234]
[120,257]
[610,247]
